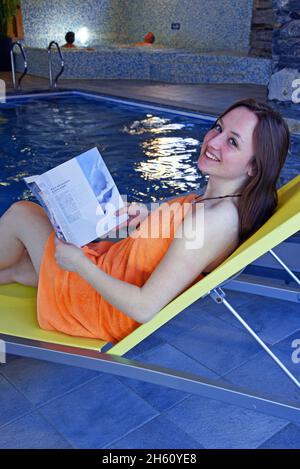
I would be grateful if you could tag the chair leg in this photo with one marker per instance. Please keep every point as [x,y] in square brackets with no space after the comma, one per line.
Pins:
[280,261]
[218,295]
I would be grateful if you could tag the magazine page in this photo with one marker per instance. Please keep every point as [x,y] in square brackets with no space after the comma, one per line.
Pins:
[84,196]
[40,191]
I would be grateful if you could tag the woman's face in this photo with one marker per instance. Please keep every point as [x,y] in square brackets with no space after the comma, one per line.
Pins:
[227,149]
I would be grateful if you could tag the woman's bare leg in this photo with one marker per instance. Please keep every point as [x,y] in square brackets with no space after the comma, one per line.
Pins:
[21,272]
[24,226]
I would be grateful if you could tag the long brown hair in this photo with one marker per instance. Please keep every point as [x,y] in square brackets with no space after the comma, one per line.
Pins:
[271,139]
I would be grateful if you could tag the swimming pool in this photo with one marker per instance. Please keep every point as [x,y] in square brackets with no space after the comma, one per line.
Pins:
[150,151]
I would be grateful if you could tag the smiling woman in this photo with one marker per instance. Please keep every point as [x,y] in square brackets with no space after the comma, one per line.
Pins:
[107,289]
[250,163]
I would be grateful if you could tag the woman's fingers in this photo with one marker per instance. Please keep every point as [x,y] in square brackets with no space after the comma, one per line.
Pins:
[122,225]
[122,210]
[131,209]
[136,214]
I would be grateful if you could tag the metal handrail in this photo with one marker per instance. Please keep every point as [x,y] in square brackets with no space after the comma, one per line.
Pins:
[50,63]
[17,43]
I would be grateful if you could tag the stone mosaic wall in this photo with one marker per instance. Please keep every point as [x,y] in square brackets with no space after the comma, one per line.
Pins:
[167,65]
[205,25]
[46,20]
[262,25]
[286,35]
[285,51]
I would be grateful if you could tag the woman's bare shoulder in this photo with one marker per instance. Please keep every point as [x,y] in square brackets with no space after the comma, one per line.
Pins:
[221,232]
[223,212]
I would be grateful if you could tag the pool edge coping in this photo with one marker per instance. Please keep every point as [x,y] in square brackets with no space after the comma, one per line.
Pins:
[293,124]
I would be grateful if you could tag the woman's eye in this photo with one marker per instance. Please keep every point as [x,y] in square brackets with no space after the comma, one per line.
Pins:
[231,139]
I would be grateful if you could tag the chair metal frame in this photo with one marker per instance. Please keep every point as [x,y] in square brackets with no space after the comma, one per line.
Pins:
[271,290]
[112,363]
[212,389]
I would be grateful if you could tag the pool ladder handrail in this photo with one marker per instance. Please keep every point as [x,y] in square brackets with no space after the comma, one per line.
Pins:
[13,72]
[50,63]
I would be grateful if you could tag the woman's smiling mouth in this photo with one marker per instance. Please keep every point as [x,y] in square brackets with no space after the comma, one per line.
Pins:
[211,156]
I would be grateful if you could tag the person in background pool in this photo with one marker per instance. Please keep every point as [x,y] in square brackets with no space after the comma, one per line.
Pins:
[107,289]
[149,39]
[70,39]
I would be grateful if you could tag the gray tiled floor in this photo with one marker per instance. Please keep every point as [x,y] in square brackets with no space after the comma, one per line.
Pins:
[31,431]
[45,405]
[61,407]
[215,424]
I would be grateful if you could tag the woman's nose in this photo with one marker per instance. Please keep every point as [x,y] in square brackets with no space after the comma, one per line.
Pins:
[216,141]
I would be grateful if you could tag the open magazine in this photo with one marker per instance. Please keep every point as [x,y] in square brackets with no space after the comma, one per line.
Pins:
[79,197]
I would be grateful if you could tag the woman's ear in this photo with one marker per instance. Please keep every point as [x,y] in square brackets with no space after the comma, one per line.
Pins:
[252,168]
[250,172]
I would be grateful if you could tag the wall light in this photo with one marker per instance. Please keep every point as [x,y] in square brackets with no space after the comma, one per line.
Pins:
[82,35]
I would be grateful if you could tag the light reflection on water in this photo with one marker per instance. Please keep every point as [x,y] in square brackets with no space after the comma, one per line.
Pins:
[153,124]
[151,156]
[169,158]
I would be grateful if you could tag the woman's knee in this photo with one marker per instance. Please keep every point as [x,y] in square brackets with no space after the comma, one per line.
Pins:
[33,231]
[25,206]
[11,216]
[22,208]
[25,216]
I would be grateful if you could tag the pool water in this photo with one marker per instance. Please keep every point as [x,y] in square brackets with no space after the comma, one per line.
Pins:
[151,154]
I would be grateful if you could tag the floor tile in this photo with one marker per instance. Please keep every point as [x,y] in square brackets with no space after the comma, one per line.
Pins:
[183,322]
[149,343]
[160,397]
[13,403]
[261,374]
[215,344]
[289,350]
[287,438]
[215,424]
[41,381]
[98,413]
[31,432]
[271,319]
[160,433]
[10,358]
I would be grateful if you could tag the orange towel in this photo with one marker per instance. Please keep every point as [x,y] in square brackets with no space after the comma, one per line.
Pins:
[68,304]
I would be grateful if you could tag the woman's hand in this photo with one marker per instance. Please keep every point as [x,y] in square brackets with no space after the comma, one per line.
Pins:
[67,255]
[136,214]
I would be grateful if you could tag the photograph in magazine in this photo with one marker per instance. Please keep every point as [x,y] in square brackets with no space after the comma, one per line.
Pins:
[80,198]
[101,182]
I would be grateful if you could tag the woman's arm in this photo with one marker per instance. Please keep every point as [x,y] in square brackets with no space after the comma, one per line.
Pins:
[184,261]
[124,296]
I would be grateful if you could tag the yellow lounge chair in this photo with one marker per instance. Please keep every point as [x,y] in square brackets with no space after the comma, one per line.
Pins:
[21,334]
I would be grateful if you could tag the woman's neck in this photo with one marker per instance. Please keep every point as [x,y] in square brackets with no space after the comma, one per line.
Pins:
[219,187]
